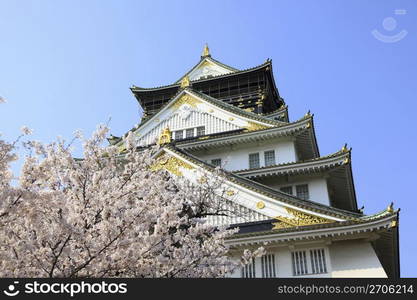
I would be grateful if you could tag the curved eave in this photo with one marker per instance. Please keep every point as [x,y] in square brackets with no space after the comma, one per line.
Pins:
[274,87]
[269,192]
[136,89]
[280,112]
[336,168]
[335,230]
[294,168]
[302,130]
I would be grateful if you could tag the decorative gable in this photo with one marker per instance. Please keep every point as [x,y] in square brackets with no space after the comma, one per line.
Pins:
[187,117]
[207,68]
[194,116]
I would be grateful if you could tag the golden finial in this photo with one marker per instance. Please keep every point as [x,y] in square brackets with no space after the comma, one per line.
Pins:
[344,148]
[390,208]
[165,137]
[206,51]
[185,82]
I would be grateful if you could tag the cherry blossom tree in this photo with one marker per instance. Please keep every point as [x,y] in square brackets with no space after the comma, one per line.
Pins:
[107,215]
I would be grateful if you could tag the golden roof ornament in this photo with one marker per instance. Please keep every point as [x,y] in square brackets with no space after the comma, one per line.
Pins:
[206,51]
[185,82]
[165,137]
[344,148]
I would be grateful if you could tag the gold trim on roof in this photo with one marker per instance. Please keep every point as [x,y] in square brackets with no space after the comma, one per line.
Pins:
[255,126]
[298,219]
[186,99]
[205,64]
[185,82]
[171,164]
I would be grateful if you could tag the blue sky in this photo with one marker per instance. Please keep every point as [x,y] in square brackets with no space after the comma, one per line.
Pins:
[67,65]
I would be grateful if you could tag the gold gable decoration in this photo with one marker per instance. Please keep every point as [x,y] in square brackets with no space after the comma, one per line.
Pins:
[255,126]
[299,219]
[186,99]
[171,164]
[185,82]
[165,137]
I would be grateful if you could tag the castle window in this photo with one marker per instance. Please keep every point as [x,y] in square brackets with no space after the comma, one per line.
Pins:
[302,191]
[201,131]
[268,266]
[217,162]
[318,261]
[299,263]
[189,133]
[286,189]
[253,160]
[178,135]
[269,158]
[248,271]
[307,263]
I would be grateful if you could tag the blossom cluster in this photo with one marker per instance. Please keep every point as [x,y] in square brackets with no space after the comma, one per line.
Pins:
[106,215]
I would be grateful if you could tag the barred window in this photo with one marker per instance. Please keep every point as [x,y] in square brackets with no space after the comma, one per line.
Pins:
[189,133]
[318,261]
[178,135]
[248,271]
[299,263]
[269,158]
[253,160]
[201,131]
[217,162]
[268,266]
[286,189]
[302,191]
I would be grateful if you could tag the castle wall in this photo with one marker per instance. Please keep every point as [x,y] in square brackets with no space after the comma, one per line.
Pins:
[351,258]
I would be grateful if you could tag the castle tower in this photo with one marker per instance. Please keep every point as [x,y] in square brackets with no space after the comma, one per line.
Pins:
[301,203]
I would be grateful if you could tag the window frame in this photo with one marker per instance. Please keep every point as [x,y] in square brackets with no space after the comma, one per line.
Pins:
[297,186]
[273,158]
[258,160]
[309,261]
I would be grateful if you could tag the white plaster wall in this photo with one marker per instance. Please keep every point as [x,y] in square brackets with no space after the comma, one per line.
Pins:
[237,158]
[317,188]
[354,258]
